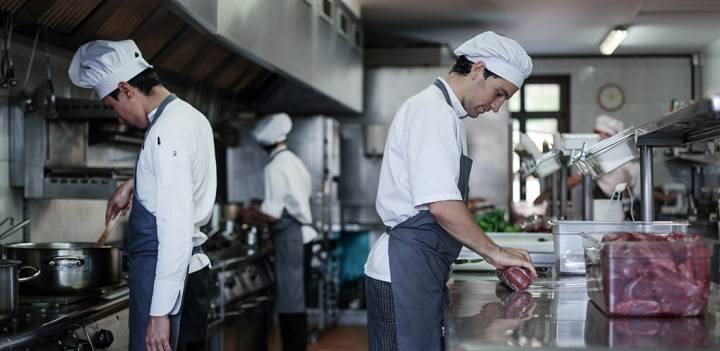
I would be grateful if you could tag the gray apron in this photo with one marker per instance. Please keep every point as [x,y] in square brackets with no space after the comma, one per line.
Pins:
[421,253]
[289,266]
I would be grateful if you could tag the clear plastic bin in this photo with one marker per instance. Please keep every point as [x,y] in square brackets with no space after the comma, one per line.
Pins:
[648,278]
[568,244]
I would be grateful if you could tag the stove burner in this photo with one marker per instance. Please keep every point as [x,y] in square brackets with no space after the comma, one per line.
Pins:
[53,302]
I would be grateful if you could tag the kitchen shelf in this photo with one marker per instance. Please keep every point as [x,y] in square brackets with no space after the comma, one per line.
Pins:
[699,121]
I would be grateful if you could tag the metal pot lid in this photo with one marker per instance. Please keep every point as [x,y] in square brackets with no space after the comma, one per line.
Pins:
[58,246]
[9,263]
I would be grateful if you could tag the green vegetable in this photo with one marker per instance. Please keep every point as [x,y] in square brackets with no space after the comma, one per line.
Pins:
[494,221]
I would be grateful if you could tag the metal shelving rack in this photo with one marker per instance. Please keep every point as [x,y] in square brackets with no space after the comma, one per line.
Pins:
[697,122]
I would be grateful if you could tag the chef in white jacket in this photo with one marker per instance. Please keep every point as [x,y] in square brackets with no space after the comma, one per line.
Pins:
[172,193]
[423,192]
[286,208]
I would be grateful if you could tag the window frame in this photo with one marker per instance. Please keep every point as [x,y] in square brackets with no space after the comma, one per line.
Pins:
[522,116]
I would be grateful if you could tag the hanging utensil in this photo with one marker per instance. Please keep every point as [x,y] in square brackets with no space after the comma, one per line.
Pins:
[14,229]
[26,101]
[44,93]
[7,219]
[7,69]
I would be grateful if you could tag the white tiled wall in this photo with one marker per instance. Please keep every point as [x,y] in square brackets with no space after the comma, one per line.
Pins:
[649,85]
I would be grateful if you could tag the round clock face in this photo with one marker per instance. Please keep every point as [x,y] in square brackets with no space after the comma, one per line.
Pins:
[611,97]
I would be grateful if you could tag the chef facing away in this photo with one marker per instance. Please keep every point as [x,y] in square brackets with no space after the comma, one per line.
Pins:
[170,196]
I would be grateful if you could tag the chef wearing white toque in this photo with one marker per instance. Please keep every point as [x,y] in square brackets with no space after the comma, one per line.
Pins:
[172,193]
[286,208]
[422,196]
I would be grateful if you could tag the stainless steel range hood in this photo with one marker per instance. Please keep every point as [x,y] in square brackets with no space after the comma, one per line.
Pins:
[270,55]
[314,43]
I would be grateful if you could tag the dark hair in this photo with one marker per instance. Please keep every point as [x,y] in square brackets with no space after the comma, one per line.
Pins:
[144,81]
[463,65]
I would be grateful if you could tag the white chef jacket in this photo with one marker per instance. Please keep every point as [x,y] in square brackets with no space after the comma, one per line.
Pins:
[176,182]
[288,187]
[421,164]
[624,174]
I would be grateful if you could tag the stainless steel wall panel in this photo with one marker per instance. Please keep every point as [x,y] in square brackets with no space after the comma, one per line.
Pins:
[290,36]
[245,163]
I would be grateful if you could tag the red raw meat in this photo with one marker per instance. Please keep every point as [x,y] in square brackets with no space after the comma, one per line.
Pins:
[516,278]
[652,274]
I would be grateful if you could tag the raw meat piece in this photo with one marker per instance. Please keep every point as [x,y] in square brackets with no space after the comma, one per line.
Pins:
[516,278]
[652,275]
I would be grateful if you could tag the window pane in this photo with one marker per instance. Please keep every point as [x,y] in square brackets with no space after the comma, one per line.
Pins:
[514,102]
[541,130]
[542,97]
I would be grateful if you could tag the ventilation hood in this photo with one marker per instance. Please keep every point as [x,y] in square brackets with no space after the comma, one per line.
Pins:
[268,55]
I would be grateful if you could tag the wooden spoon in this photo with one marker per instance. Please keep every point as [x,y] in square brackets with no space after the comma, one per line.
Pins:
[108,227]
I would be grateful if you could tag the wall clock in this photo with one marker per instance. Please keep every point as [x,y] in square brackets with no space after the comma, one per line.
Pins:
[611,97]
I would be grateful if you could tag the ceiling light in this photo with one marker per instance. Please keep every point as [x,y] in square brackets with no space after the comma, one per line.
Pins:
[612,40]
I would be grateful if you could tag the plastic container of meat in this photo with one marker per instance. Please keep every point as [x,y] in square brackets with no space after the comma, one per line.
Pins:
[568,243]
[648,275]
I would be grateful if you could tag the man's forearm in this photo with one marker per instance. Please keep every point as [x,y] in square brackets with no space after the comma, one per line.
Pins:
[129,185]
[457,220]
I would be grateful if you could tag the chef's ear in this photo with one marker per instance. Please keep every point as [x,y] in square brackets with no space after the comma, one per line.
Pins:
[125,89]
[477,70]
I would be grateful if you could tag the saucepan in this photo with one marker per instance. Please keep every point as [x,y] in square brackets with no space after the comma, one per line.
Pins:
[68,268]
[9,279]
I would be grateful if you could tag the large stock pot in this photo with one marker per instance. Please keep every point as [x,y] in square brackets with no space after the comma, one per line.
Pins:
[67,267]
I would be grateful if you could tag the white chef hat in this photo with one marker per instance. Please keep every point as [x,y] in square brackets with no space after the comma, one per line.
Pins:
[503,56]
[272,129]
[102,64]
[608,125]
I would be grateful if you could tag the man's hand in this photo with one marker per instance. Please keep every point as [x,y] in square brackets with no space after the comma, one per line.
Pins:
[119,201]
[455,218]
[503,257]
[157,337]
[252,215]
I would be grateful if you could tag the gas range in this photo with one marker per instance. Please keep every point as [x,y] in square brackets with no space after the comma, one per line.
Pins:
[67,322]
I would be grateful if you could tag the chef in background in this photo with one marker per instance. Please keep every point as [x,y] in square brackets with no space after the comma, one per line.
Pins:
[172,192]
[604,187]
[286,208]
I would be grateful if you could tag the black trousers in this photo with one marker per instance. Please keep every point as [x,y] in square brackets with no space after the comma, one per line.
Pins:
[195,310]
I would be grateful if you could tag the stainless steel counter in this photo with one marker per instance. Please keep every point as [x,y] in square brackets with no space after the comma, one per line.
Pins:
[556,314]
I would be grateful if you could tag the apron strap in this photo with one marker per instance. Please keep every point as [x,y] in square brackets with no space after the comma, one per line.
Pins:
[158,113]
[444,91]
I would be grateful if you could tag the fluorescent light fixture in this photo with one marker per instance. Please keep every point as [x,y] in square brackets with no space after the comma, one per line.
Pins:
[612,40]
